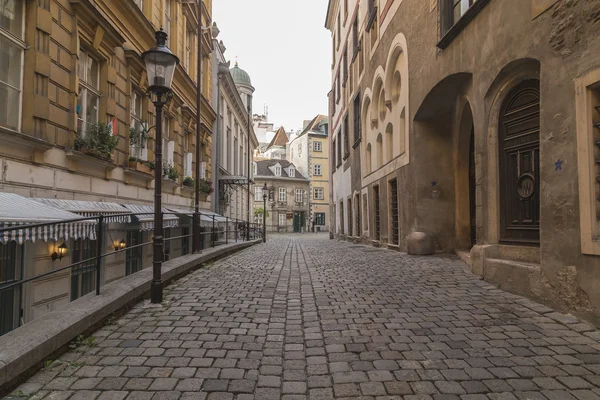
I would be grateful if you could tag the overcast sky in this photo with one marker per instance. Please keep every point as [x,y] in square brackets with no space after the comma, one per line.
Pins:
[285,48]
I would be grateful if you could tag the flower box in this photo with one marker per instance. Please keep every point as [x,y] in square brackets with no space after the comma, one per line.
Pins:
[140,167]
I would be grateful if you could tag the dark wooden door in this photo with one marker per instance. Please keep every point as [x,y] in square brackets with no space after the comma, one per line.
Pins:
[472,185]
[519,150]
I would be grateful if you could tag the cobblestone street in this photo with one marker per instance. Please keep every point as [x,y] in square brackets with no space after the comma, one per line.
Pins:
[304,317]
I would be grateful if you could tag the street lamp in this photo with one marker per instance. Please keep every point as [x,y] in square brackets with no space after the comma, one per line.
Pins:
[160,67]
[265,195]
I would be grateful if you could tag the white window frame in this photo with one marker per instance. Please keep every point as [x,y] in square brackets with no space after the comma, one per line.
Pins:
[86,88]
[317,171]
[277,171]
[317,146]
[258,193]
[282,221]
[137,124]
[20,44]
[282,197]
[321,191]
[188,49]
[299,195]
[292,172]
[167,17]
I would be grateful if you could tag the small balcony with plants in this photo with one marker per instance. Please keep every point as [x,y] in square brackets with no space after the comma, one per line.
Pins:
[170,176]
[138,150]
[95,146]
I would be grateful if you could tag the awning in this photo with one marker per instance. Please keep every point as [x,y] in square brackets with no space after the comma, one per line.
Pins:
[17,210]
[91,209]
[146,217]
[234,180]
[206,217]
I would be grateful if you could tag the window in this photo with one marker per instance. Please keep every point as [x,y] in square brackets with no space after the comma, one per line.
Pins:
[11,61]
[188,49]
[377,216]
[345,65]
[317,169]
[89,96]
[317,146]
[282,219]
[319,193]
[355,42]
[139,3]
[255,168]
[185,241]
[133,256]
[282,195]
[9,298]
[357,120]
[168,145]
[339,149]
[319,218]
[339,30]
[341,218]
[277,170]
[395,223]
[138,146]
[299,148]
[333,158]
[456,13]
[372,14]
[292,172]
[299,195]
[338,88]
[83,276]
[167,18]
[350,221]
[236,161]
[258,193]
[346,140]
[357,215]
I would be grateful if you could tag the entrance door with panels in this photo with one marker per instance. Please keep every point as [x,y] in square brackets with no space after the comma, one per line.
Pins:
[519,153]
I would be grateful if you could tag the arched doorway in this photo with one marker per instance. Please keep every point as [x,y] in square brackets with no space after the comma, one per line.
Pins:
[472,194]
[519,154]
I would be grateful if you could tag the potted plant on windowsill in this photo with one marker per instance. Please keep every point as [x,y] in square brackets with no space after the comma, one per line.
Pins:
[205,189]
[141,166]
[170,172]
[98,142]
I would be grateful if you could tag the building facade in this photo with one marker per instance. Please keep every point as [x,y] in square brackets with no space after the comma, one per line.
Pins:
[234,141]
[72,77]
[309,152]
[472,127]
[287,201]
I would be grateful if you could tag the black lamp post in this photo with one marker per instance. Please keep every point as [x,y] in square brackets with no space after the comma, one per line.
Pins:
[265,195]
[160,67]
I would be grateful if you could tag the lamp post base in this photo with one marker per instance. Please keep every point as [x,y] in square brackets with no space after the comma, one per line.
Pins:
[156,292]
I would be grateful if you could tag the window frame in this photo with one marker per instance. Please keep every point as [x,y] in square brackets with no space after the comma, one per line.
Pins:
[83,276]
[277,170]
[318,148]
[320,219]
[282,195]
[357,120]
[319,190]
[319,168]
[291,172]
[134,257]
[19,43]
[449,29]
[86,89]
[299,195]
[258,193]
[284,223]
[11,253]
[167,17]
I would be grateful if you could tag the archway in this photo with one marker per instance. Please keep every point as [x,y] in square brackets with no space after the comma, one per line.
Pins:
[465,180]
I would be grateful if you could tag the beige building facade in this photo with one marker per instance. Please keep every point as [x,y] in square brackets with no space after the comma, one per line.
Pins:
[70,68]
[475,132]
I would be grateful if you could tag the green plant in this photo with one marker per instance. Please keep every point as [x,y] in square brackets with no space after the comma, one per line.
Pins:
[258,212]
[205,186]
[150,164]
[98,141]
[188,181]
[138,137]
[170,172]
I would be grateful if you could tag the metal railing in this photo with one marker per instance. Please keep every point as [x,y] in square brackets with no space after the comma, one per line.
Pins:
[220,231]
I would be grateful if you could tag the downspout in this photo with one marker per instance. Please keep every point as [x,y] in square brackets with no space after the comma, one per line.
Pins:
[218,166]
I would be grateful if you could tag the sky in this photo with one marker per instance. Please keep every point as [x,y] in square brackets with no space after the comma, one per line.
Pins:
[284,47]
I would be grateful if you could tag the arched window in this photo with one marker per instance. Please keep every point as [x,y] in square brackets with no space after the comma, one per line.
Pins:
[369,159]
[389,142]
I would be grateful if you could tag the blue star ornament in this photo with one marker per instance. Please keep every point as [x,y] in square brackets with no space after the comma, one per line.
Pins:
[433,183]
[558,165]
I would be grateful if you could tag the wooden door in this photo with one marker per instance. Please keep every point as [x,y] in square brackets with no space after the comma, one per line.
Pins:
[519,151]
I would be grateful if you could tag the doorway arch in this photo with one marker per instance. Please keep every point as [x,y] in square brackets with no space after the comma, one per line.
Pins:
[465,178]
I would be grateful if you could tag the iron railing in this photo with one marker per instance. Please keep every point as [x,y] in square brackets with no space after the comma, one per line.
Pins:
[221,231]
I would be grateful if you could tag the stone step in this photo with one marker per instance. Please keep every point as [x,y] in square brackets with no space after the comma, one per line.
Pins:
[523,278]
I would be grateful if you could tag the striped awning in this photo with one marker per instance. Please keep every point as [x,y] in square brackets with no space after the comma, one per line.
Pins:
[17,210]
[206,220]
[91,209]
[145,217]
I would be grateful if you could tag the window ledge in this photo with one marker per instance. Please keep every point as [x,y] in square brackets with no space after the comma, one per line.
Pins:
[356,143]
[457,28]
[82,157]
[139,174]
[169,184]
[17,138]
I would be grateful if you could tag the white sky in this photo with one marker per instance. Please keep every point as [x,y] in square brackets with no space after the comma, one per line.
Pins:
[286,50]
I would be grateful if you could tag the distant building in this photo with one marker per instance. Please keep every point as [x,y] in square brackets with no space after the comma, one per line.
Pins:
[233,153]
[287,203]
[309,151]
[276,149]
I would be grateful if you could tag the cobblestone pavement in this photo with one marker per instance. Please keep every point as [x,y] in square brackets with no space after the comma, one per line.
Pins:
[303,317]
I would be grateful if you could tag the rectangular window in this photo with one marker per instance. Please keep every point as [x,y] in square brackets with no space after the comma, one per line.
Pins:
[133,256]
[317,146]
[282,219]
[455,15]
[358,215]
[355,42]
[277,171]
[365,209]
[138,141]
[9,298]
[89,94]
[317,169]
[167,18]
[319,218]
[345,65]
[291,172]
[394,211]
[371,14]
[346,139]
[236,161]
[339,148]
[333,158]
[83,276]
[258,193]
[185,241]
[11,62]
[188,49]
[319,193]
[357,120]
[338,88]
[282,195]
[299,195]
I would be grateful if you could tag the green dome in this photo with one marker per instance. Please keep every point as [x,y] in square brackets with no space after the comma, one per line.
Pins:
[240,76]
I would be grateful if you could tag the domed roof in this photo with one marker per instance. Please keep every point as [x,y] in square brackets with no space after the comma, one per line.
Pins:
[240,76]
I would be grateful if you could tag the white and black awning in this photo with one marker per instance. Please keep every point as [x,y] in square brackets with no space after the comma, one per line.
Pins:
[145,217]
[91,209]
[39,221]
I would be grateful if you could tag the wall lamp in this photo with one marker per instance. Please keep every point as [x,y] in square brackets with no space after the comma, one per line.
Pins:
[59,252]
[120,245]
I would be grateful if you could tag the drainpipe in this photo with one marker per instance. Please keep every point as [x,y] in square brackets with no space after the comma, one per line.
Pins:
[216,172]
